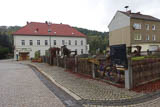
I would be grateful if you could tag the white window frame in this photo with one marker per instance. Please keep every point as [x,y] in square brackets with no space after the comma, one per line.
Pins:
[23,42]
[76,42]
[147,37]
[154,37]
[153,27]
[38,42]
[137,37]
[54,42]
[81,42]
[147,26]
[82,51]
[46,42]
[31,42]
[137,26]
[69,42]
[63,42]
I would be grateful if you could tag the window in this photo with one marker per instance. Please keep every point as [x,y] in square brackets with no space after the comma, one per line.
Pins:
[153,37]
[137,26]
[69,42]
[75,42]
[23,42]
[30,42]
[81,42]
[137,37]
[75,49]
[147,37]
[54,42]
[147,26]
[81,51]
[38,42]
[153,27]
[63,42]
[46,42]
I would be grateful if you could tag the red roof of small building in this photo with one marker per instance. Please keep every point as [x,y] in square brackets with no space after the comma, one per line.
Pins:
[44,29]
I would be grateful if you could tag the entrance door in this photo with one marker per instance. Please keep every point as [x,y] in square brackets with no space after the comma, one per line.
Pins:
[24,56]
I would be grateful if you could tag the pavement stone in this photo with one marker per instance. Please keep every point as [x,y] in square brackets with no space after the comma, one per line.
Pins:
[87,88]
[92,89]
[20,87]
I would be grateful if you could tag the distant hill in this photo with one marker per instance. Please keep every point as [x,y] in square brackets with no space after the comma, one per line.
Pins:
[98,41]
[9,29]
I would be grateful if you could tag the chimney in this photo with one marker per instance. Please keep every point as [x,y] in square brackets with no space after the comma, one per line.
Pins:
[129,11]
[27,22]
[46,22]
[138,12]
[37,29]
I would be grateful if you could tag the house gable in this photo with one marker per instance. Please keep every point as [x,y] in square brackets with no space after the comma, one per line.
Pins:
[119,21]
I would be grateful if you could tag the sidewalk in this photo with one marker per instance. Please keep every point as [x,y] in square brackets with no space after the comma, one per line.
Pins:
[95,93]
[86,88]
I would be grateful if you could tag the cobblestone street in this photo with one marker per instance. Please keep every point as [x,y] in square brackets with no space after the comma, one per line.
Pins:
[20,87]
[87,88]
[95,90]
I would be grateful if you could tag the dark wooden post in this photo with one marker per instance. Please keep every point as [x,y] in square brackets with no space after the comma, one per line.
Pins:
[76,63]
[65,61]
[57,60]
[93,70]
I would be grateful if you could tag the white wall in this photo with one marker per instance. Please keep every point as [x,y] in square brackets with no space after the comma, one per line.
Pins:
[120,20]
[42,47]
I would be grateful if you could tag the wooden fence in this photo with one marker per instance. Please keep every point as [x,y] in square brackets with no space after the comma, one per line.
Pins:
[144,71]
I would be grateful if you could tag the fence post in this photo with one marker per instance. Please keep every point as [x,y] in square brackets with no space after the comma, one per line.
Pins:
[93,70]
[76,63]
[57,60]
[65,62]
[128,75]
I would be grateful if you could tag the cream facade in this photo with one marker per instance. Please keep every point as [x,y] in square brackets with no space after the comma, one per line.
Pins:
[134,31]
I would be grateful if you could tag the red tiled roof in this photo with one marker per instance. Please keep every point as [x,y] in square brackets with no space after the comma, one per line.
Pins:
[35,28]
[140,16]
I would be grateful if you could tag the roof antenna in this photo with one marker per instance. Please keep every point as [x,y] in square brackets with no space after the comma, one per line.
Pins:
[126,8]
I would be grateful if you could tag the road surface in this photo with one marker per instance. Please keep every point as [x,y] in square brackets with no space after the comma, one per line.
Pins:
[20,87]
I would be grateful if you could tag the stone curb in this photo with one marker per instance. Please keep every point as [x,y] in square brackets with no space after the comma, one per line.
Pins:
[59,85]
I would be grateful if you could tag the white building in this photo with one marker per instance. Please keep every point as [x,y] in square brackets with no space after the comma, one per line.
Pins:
[41,36]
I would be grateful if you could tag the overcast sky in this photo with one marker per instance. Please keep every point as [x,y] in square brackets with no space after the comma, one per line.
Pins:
[90,14]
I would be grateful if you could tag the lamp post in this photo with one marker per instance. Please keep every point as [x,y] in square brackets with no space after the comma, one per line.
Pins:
[49,30]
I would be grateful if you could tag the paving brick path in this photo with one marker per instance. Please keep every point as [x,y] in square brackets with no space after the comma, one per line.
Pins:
[20,87]
[87,88]
[99,94]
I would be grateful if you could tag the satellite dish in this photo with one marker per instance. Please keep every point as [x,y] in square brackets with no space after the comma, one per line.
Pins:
[126,7]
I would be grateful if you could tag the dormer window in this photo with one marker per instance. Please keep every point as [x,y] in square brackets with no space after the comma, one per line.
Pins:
[36,30]
[137,26]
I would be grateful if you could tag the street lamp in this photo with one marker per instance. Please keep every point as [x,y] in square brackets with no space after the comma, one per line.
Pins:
[49,30]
